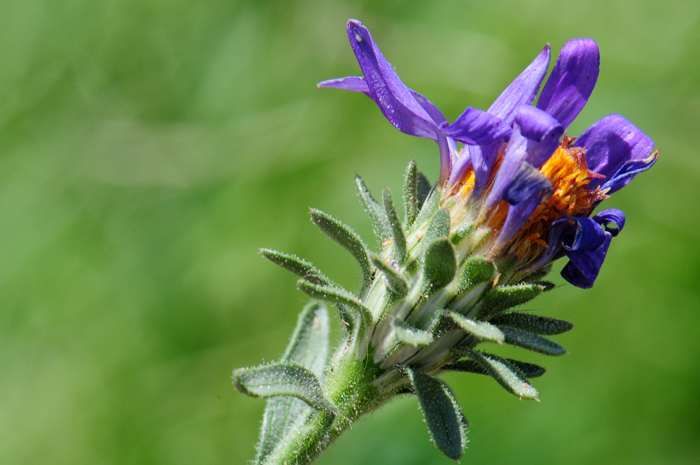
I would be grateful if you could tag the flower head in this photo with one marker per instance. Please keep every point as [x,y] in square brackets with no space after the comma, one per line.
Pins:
[519,180]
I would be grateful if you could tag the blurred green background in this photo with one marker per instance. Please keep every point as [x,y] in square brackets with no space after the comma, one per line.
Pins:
[149,147]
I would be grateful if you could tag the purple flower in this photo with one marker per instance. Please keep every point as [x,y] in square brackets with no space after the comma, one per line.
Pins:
[515,176]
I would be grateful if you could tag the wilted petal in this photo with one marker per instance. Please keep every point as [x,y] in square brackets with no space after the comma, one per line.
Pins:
[354,83]
[584,266]
[523,89]
[609,217]
[395,100]
[628,171]
[476,127]
[572,80]
[527,182]
[610,143]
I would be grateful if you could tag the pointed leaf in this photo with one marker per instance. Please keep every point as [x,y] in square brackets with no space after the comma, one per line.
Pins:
[474,271]
[502,298]
[529,370]
[296,265]
[441,413]
[380,222]
[533,323]
[428,209]
[410,335]
[399,238]
[440,263]
[423,189]
[505,373]
[481,329]
[395,281]
[282,379]
[532,341]
[335,295]
[309,348]
[346,237]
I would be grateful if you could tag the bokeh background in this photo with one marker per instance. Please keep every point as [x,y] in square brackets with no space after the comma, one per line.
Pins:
[149,147]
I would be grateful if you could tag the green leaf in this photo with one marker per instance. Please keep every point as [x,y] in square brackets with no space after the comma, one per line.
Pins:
[533,323]
[505,373]
[502,298]
[380,222]
[395,281]
[532,341]
[410,335]
[398,236]
[441,412]
[439,225]
[410,194]
[335,295]
[427,210]
[481,329]
[308,348]
[282,379]
[346,237]
[474,278]
[529,370]
[297,266]
[440,263]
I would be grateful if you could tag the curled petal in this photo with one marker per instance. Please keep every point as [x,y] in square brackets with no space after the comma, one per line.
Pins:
[610,143]
[517,217]
[628,171]
[354,83]
[429,107]
[572,80]
[395,100]
[523,89]
[609,217]
[583,267]
[476,127]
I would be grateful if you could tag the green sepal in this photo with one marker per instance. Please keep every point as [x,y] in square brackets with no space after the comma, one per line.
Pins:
[377,215]
[481,329]
[502,298]
[427,210]
[461,234]
[439,225]
[446,422]
[308,348]
[507,375]
[410,194]
[423,189]
[532,341]
[346,237]
[529,370]
[282,379]
[411,336]
[395,281]
[297,266]
[440,263]
[474,278]
[537,276]
[398,236]
[533,323]
[338,296]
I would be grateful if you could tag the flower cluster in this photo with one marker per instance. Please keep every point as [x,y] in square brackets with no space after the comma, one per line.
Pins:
[519,177]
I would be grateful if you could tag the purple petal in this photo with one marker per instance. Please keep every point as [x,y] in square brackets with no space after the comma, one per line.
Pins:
[612,216]
[462,164]
[395,100]
[583,267]
[476,127]
[429,107]
[628,171]
[517,217]
[610,143]
[572,80]
[448,152]
[523,89]
[354,83]
[527,182]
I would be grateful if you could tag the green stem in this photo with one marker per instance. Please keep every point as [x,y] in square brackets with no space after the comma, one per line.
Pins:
[349,386]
